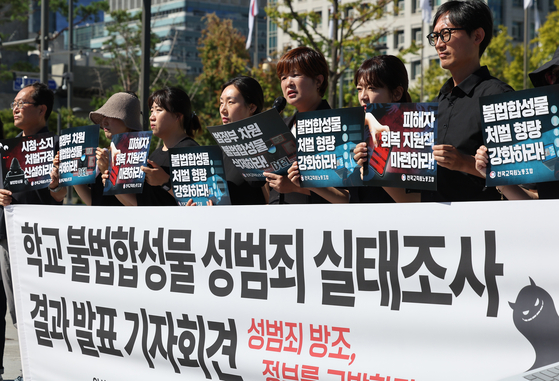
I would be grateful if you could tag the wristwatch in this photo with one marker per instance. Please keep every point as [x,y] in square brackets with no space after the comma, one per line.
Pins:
[167,186]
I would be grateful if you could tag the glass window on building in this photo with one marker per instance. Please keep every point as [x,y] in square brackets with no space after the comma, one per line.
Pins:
[399,8]
[272,38]
[415,69]
[399,39]
[416,35]
[517,31]
[318,24]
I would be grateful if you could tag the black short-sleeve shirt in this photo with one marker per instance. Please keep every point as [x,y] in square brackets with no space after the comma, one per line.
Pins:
[459,124]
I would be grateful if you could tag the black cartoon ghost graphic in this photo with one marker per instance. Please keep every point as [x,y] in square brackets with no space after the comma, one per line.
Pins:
[534,315]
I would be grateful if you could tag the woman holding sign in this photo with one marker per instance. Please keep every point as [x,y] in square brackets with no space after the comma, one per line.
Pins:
[119,114]
[241,97]
[171,120]
[304,78]
[381,79]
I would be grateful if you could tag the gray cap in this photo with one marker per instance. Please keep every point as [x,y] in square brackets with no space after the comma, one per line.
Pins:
[123,106]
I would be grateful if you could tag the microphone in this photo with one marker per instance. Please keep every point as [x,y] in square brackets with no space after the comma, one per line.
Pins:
[279,104]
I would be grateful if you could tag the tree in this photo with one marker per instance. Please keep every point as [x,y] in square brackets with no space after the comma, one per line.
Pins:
[223,54]
[123,48]
[347,22]
[81,13]
[495,56]
[433,79]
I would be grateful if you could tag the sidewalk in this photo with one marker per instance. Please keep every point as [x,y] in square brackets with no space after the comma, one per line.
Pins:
[12,360]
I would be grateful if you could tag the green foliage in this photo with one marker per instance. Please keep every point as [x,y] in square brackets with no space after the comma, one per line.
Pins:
[13,10]
[223,54]
[81,12]
[495,56]
[123,45]
[270,82]
[433,80]
[542,49]
[347,19]
[10,131]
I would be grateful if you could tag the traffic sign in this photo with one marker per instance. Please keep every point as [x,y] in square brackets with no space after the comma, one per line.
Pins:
[21,82]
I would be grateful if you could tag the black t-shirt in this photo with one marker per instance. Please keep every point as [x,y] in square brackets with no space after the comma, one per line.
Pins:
[459,124]
[97,197]
[156,195]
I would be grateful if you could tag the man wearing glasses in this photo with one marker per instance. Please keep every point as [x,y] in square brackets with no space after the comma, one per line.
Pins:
[461,32]
[31,109]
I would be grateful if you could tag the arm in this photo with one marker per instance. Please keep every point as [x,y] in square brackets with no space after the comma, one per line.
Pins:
[282,184]
[5,197]
[56,192]
[156,176]
[449,157]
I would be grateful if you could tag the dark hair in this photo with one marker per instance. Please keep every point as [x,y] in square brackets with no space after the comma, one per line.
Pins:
[470,15]
[42,95]
[306,60]
[177,101]
[384,71]
[250,90]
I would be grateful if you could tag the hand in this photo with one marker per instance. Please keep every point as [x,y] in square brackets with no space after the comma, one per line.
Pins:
[155,176]
[54,174]
[105,176]
[481,160]
[360,154]
[102,155]
[375,127]
[5,197]
[449,157]
[294,175]
[280,183]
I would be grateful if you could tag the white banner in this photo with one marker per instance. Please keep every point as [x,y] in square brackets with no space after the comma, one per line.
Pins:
[380,292]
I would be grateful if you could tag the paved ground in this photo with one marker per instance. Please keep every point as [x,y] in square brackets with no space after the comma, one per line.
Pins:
[12,361]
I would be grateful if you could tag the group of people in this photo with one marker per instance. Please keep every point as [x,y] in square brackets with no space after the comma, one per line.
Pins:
[461,31]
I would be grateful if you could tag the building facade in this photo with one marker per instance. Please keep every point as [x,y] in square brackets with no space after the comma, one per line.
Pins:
[179,24]
[403,19]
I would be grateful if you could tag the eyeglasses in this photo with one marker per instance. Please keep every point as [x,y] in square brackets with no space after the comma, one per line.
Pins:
[20,104]
[444,35]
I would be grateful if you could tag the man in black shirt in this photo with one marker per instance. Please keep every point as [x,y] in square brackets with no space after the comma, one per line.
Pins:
[31,109]
[461,32]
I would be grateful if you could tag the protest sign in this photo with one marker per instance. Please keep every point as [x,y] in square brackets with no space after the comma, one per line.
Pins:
[197,174]
[521,133]
[78,155]
[27,161]
[129,152]
[403,135]
[325,143]
[261,143]
[225,294]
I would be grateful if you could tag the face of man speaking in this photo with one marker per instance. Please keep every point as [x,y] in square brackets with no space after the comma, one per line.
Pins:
[28,116]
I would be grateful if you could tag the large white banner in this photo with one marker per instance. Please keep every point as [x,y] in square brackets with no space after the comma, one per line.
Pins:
[402,292]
